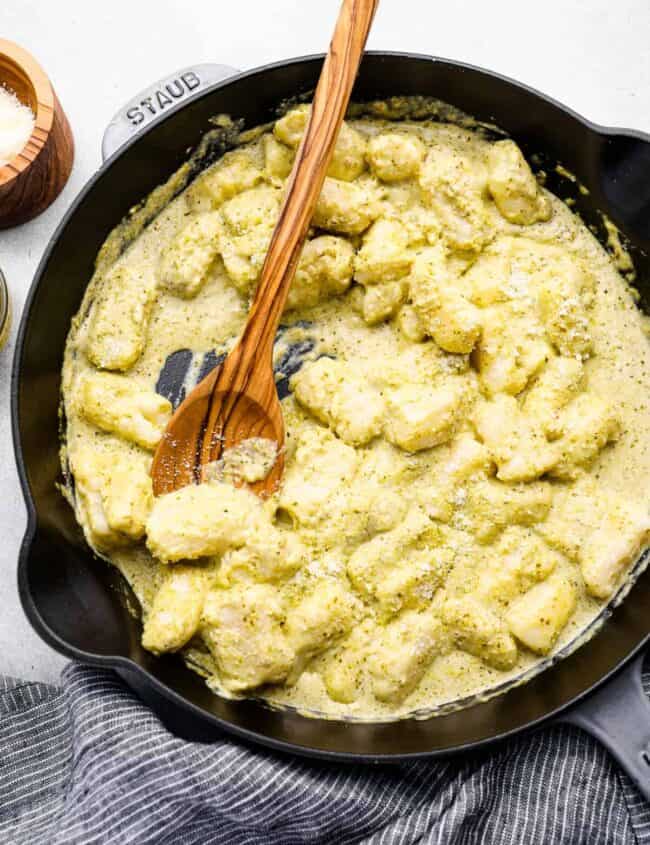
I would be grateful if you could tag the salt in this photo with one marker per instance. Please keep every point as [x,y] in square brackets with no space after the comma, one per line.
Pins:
[16,125]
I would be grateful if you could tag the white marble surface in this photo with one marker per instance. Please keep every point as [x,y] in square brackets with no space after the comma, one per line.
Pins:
[593,55]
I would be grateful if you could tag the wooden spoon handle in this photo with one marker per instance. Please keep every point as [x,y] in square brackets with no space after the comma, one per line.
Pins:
[308,174]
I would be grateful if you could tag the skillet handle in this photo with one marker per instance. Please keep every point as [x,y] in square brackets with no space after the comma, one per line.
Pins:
[618,716]
[162,97]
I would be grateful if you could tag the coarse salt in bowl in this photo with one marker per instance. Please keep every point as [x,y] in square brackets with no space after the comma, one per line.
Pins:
[16,125]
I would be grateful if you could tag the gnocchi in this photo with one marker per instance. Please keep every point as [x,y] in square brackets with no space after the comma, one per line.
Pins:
[185,263]
[420,417]
[176,610]
[353,410]
[513,186]
[463,378]
[537,618]
[116,332]
[442,304]
[242,627]
[113,495]
[119,405]
[235,173]
[394,157]
[199,521]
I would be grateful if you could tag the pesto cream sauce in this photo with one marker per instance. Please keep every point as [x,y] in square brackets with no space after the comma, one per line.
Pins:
[618,370]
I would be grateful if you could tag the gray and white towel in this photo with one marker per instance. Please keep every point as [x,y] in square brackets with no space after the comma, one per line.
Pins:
[86,762]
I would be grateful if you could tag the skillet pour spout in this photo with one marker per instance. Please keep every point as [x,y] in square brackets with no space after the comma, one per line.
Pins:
[77,604]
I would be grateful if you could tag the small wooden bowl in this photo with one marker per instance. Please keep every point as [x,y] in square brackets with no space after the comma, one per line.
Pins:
[36,176]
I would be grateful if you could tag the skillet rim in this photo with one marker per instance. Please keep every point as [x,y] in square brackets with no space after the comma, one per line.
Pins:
[128,665]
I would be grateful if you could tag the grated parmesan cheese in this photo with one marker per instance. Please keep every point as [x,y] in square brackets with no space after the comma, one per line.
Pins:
[16,125]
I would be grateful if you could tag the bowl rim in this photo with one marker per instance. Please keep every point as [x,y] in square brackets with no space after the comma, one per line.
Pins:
[44,115]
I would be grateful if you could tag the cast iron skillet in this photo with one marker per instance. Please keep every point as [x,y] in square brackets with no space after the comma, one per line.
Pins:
[76,603]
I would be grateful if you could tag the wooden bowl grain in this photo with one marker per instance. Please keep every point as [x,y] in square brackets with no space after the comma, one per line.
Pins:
[31,181]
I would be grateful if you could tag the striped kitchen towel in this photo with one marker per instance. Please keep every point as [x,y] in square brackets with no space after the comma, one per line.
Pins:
[86,762]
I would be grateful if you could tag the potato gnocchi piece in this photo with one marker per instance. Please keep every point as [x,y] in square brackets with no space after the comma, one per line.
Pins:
[420,364]
[614,544]
[420,417]
[495,276]
[128,498]
[380,302]
[468,458]
[119,405]
[347,208]
[565,315]
[113,491]
[517,444]
[538,617]
[119,320]
[273,557]
[442,303]
[249,219]
[320,619]
[394,156]
[385,508]
[278,159]
[453,187]
[370,560]
[412,583]
[575,512]
[516,270]
[320,469]
[384,255]
[491,506]
[410,324]
[233,174]
[186,260]
[403,653]
[422,224]
[348,159]
[290,127]
[243,628]
[602,532]
[513,187]
[175,613]
[324,270]
[382,467]
[512,349]
[400,568]
[251,209]
[202,520]
[338,398]
[520,559]
[558,383]
[586,425]
[343,675]
[479,632]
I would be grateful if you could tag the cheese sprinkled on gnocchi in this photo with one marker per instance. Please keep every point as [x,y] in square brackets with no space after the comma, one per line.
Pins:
[464,379]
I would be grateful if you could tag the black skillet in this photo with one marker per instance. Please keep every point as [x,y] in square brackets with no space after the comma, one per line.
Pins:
[76,603]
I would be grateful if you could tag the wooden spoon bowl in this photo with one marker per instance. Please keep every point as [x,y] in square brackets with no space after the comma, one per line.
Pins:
[32,180]
[182,453]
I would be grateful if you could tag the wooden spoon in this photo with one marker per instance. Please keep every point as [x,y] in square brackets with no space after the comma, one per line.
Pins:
[239,400]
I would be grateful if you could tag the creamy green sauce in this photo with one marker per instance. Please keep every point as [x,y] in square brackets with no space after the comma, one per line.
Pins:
[364,453]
